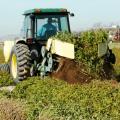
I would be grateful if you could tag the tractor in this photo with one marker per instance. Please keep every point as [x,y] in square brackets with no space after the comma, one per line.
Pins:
[33,54]
[36,52]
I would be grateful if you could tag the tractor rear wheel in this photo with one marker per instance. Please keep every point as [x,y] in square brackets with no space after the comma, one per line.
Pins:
[20,62]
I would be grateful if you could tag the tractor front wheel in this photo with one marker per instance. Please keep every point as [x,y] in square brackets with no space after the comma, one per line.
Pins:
[20,62]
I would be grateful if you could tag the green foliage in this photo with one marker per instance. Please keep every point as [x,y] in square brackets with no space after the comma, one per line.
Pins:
[49,99]
[1,56]
[86,48]
[66,37]
[5,79]
[55,100]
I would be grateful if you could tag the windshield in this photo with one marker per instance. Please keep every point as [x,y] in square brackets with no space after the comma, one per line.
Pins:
[50,25]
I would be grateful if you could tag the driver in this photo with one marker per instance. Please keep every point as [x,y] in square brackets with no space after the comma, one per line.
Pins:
[47,30]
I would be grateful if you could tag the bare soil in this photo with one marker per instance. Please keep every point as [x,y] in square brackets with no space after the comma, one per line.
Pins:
[72,72]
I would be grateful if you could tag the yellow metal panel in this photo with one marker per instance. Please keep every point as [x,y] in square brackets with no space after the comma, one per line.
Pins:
[7,49]
[102,49]
[61,48]
[49,43]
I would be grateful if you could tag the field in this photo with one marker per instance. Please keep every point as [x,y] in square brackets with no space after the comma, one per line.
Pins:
[54,99]
[117,65]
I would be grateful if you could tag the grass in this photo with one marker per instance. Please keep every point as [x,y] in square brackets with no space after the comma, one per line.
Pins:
[55,99]
[5,79]
[2,60]
[117,64]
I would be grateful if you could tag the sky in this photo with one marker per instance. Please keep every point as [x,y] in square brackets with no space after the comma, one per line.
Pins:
[87,13]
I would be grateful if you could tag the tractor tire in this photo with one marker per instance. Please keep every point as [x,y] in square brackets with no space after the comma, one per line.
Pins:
[20,62]
[5,68]
[112,58]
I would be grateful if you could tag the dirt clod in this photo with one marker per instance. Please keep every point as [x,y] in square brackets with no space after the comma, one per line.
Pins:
[72,72]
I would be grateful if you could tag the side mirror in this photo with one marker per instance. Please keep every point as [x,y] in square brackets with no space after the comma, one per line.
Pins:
[72,14]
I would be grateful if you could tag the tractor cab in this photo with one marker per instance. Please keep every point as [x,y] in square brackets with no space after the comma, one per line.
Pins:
[41,24]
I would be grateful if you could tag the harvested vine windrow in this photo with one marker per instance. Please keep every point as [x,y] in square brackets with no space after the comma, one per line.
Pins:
[86,55]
